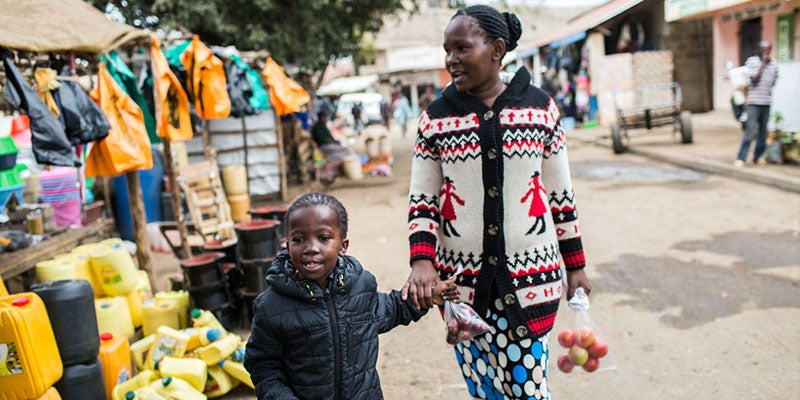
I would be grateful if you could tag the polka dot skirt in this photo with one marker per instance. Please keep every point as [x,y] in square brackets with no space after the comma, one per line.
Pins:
[496,367]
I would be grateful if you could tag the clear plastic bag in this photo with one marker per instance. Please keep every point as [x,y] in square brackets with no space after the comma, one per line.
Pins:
[463,323]
[576,340]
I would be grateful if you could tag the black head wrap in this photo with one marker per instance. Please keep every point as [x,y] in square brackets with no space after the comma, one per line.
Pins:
[497,25]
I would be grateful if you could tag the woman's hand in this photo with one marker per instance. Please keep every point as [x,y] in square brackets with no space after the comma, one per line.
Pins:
[576,279]
[420,284]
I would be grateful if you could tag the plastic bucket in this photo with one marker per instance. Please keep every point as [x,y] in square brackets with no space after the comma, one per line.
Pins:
[269,212]
[352,168]
[233,275]
[67,212]
[203,269]
[70,306]
[234,179]
[257,239]
[82,382]
[240,204]
[209,297]
[255,274]
[226,246]
[151,182]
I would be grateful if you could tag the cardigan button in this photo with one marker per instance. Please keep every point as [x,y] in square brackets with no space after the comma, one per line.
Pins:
[488,115]
[492,153]
[522,331]
[493,261]
[509,299]
[493,229]
[494,191]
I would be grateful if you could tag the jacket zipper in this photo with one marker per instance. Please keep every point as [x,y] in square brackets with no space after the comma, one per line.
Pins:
[337,351]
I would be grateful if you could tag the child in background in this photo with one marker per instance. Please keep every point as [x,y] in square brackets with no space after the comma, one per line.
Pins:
[315,330]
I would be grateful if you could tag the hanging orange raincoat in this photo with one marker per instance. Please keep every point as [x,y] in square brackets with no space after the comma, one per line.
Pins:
[171,102]
[206,81]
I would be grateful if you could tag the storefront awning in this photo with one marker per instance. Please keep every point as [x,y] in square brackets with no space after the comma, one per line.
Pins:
[576,29]
[347,84]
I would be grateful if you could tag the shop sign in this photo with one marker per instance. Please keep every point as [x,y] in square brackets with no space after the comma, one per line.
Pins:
[677,9]
[783,40]
[752,12]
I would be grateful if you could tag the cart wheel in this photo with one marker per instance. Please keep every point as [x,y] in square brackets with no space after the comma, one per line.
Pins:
[686,127]
[616,139]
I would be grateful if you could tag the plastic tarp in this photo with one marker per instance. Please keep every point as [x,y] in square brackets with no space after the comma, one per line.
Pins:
[173,120]
[60,25]
[287,95]
[348,84]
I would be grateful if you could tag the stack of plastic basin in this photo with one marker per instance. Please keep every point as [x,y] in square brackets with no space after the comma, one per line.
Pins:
[12,181]
[60,189]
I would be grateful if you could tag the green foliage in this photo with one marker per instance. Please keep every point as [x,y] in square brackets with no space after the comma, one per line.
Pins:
[306,33]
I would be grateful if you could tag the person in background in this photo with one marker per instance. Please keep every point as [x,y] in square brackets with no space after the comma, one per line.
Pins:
[358,117]
[763,71]
[333,150]
[493,157]
[402,113]
[315,329]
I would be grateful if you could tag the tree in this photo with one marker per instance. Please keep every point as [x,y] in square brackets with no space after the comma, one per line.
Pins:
[304,33]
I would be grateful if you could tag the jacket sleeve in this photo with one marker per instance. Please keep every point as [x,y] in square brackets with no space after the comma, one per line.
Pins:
[426,181]
[262,360]
[558,182]
[391,311]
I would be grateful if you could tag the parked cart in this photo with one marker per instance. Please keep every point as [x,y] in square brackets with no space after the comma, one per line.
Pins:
[649,107]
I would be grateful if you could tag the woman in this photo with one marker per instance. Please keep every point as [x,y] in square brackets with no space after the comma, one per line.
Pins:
[499,150]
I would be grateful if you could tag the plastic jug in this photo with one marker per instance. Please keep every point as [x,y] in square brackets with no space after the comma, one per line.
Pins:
[83,270]
[177,388]
[169,342]
[205,318]
[201,336]
[56,269]
[219,382]
[113,315]
[29,358]
[190,370]
[50,394]
[115,357]
[114,267]
[237,370]
[143,379]
[143,287]
[82,381]
[145,393]
[159,313]
[3,290]
[139,350]
[216,351]
[182,298]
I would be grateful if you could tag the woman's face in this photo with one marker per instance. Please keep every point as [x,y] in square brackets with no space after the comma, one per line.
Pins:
[472,61]
[315,242]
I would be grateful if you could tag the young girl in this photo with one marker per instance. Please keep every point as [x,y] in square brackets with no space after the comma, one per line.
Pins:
[315,330]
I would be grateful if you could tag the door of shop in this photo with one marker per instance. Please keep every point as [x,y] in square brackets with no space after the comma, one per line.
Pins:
[749,36]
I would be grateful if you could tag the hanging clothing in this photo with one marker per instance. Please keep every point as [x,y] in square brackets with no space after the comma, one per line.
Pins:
[127,81]
[173,120]
[205,77]
[287,95]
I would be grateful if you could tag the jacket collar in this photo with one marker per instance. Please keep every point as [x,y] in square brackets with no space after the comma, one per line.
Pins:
[284,278]
[513,93]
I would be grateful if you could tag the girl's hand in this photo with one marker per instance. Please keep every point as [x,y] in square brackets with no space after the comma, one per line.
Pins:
[420,284]
[445,290]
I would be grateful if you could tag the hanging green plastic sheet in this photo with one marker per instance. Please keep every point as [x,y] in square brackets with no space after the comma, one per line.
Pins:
[260,99]
[127,80]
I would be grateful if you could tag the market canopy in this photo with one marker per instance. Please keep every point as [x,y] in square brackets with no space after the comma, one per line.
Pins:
[347,84]
[576,29]
[60,25]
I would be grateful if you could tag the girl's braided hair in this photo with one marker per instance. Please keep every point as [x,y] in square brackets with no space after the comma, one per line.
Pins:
[497,25]
[319,199]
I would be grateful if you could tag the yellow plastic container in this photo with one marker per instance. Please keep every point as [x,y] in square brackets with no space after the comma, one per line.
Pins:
[29,360]
[169,342]
[177,388]
[219,383]
[159,313]
[84,249]
[352,167]
[114,267]
[240,206]
[182,298]
[56,269]
[143,287]
[218,350]
[112,242]
[50,394]
[205,318]
[115,357]
[134,300]
[3,290]
[143,379]
[201,336]
[139,350]
[83,270]
[190,370]
[237,370]
[234,179]
[114,316]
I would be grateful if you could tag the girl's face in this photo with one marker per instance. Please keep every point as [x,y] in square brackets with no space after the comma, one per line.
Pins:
[315,242]
[472,61]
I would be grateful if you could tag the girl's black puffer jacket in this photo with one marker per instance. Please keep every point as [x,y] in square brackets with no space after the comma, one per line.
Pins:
[313,343]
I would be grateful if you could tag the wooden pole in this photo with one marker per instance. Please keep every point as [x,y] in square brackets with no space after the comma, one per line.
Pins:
[246,151]
[177,206]
[281,156]
[139,223]
[206,141]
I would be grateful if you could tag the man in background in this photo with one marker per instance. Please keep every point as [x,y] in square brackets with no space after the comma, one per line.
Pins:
[763,72]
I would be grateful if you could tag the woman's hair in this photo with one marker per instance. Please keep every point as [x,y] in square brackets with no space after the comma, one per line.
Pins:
[320,199]
[497,25]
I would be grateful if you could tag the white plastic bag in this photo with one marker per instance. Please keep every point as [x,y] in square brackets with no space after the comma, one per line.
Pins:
[578,342]
[463,323]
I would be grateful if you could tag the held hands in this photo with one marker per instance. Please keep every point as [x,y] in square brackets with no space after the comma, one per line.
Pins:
[445,290]
[421,283]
